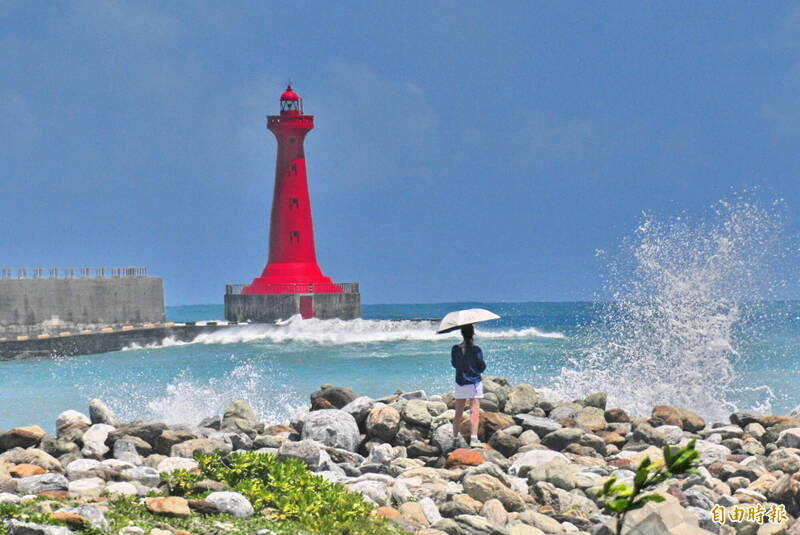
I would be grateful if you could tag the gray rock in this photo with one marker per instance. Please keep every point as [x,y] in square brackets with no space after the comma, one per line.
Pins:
[125,450]
[561,438]
[145,475]
[202,445]
[101,414]
[540,426]
[231,503]
[359,408]
[70,425]
[521,399]
[789,438]
[376,491]
[332,427]
[430,510]
[338,396]
[529,460]
[304,450]
[597,400]
[416,412]
[381,454]
[240,417]
[416,394]
[168,464]
[17,527]
[95,515]
[83,468]
[383,422]
[41,483]
[94,440]
[122,488]
[504,443]
[442,437]
[87,487]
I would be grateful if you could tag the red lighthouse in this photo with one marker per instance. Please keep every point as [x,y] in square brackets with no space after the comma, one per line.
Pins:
[292,266]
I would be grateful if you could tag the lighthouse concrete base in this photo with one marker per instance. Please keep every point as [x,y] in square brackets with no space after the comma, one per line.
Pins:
[267,308]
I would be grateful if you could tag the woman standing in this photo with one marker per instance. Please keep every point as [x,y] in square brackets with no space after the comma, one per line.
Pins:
[467,359]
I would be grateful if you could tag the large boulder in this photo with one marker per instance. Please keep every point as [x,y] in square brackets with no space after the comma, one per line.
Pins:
[240,417]
[18,527]
[683,418]
[484,487]
[332,427]
[231,503]
[70,425]
[42,483]
[21,437]
[359,408]
[522,398]
[383,423]
[525,462]
[415,412]
[539,425]
[202,445]
[100,413]
[145,431]
[305,450]
[94,440]
[337,396]
[31,456]
[789,438]
[172,506]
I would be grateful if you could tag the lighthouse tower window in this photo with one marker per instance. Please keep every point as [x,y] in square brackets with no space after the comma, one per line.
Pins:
[294,236]
[294,203]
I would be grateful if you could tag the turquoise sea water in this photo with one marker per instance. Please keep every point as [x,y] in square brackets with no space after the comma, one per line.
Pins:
[571,348]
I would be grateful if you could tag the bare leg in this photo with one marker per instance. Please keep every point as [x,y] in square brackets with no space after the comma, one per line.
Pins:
[475,415]
[457,417]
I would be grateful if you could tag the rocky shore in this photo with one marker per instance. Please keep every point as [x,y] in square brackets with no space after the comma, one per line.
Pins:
[538,471]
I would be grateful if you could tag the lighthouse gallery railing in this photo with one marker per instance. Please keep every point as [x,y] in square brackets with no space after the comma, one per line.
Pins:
[339,287]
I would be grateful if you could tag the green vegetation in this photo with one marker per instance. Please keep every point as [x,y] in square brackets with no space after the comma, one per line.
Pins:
[621,498]
[287,497]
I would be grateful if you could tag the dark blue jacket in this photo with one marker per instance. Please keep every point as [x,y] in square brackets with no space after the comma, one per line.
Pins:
[468,367]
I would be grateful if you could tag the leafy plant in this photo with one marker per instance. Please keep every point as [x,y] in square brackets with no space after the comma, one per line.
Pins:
[622,498]
[285,490]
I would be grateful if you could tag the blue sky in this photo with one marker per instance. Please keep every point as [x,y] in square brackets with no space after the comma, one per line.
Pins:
[462,151]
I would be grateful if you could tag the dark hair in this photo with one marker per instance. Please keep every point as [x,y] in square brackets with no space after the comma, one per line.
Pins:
[468,332]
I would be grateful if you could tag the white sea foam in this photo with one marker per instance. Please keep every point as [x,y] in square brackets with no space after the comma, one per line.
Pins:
[341,332]
[669,337]
[169,341]
[187,400]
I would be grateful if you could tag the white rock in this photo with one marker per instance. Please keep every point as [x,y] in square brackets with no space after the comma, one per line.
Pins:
[116,465]
[131,530]
[83,468]
[125,450]
[430,510]
[143,474]
[532,459]
[376,491]
[94,440]
[6,497]
[71,417]
[87,487]
[231,503]
[121,488]
[175,463]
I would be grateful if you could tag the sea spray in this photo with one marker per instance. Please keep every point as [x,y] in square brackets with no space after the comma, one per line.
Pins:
[683,291]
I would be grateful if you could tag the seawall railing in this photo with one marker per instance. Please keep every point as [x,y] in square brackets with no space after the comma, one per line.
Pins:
[339,287]
[72,273]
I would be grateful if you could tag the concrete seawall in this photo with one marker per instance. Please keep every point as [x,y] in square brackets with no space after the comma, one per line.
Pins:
[101,342]
[42,305]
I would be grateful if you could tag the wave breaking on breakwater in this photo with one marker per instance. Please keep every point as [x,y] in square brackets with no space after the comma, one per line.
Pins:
[671,334]
[341,332]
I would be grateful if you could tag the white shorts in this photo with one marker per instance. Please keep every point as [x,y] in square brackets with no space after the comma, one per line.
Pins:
[468,391]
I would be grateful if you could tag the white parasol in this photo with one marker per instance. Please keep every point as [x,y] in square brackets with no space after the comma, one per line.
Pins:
[459,318]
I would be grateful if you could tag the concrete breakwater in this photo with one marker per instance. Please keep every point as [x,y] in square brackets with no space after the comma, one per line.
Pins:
[537,471]
[102,340]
